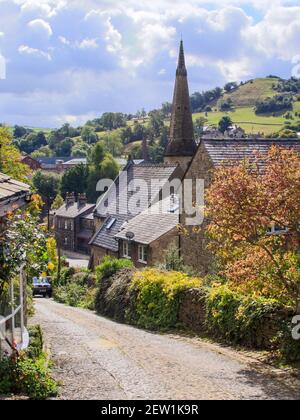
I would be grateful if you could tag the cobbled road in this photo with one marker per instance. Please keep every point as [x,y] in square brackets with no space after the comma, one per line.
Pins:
[95,358]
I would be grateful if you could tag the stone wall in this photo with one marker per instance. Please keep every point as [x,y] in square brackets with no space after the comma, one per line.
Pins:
[194,245]
[98,253]
[192,310]
[160,247]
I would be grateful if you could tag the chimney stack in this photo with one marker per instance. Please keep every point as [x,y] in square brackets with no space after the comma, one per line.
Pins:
[82,200]
[70,199]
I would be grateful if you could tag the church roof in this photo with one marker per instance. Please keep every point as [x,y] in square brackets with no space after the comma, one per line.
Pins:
[232,151]
[181,140]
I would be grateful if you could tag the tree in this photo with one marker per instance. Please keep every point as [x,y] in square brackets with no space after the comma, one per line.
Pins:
[75,180]
[166,109]
[229,87]
[42,152]
[126,135]
[19,132]
[57,203]
[47,186]
[24,241]
[89,135]
[64,148]
[10,158]
[199,126]
[225,123]
[244,207]
[156,123]
[111,121]
[113,143]
[101,165]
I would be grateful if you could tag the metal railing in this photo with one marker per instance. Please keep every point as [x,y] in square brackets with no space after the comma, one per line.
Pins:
[19,311]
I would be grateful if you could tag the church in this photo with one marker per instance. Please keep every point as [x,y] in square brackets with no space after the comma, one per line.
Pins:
[146,236]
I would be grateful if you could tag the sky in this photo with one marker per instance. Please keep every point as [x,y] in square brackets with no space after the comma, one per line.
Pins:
[71,60]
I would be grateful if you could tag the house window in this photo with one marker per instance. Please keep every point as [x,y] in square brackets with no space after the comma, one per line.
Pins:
[66,241]
[143,254]
[277,230]
[126,250]
[66,225]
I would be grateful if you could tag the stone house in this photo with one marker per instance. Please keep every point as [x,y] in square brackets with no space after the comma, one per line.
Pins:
[74,224]
[109,221]
[14,195]
[33,164]
[210,154]
[147,237]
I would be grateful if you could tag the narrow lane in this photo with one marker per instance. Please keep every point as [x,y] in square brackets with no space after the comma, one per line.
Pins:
[96,358]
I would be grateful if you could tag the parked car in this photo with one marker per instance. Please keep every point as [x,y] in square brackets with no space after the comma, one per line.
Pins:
[42,287]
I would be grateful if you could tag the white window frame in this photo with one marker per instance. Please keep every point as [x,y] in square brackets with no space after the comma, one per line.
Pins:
[66,225]
[142,254]
[126,250]
[66,241]
[275,230]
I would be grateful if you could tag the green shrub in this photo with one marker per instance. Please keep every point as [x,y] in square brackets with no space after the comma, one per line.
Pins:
[158,296]
[26,376]
[110,266]
[240,319]
[65,275]
[71,294]
[289,348]
[114,297]
[36,344]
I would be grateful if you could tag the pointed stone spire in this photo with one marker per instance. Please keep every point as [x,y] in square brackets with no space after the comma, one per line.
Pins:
[181,141]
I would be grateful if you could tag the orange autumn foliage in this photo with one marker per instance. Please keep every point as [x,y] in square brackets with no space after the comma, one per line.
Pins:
[242,204]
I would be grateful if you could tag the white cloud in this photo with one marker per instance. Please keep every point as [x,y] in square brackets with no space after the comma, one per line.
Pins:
[41,26]
[25,49]
[278,34]
[137,49]
[88,43]
[64,40]
[113,38]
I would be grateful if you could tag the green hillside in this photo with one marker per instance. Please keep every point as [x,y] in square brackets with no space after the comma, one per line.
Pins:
[248,120]
[249,93]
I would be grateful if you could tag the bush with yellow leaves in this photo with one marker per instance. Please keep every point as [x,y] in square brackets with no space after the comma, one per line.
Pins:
[157,295]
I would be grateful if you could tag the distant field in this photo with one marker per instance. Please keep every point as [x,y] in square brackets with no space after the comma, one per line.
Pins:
[247,95]
[248,120]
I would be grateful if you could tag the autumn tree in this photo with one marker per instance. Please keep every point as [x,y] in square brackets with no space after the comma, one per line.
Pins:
[254,214]
[10,157]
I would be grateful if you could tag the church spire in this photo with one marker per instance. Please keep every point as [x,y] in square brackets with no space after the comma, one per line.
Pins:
[181,141]
[181,68]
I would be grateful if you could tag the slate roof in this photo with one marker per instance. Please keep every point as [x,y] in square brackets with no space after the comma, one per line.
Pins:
[105,238]
[73,162]
[146,171]
[149,226]
[231,151]
[74,210]
[152,174]
[10,187]
[11,192]
[51,160]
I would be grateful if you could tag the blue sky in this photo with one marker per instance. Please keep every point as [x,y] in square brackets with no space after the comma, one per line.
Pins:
[71,60]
